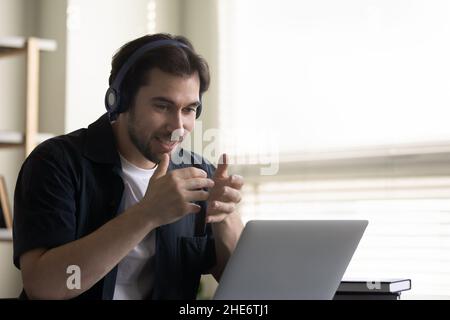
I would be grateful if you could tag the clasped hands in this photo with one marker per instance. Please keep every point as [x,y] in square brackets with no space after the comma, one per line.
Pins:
[170,195]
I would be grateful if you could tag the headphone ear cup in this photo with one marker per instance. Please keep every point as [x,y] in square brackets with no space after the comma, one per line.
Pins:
[112,100]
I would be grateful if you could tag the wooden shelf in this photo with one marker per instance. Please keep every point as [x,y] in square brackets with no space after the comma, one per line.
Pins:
[17,139]
[31,47]
[17,45]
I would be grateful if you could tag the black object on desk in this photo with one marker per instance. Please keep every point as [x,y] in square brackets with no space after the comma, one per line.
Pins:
[363,289]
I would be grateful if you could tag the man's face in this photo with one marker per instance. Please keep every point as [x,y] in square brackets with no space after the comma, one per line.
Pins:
[163,113]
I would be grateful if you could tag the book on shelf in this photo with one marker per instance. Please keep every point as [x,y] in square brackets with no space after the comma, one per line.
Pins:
[376,286]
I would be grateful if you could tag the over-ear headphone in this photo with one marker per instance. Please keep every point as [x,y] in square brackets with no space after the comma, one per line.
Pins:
[113,99]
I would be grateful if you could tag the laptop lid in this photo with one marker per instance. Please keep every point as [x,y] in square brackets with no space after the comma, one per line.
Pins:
[290,259]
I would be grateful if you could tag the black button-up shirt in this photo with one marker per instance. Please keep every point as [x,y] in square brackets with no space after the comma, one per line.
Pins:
[70,185]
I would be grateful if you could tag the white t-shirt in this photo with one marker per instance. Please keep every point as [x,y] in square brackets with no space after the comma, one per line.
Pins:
[135,272]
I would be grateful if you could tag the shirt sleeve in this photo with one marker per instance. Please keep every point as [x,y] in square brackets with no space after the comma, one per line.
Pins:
[44,201]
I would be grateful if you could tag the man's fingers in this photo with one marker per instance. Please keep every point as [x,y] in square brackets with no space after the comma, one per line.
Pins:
[161,169]
[222,166]
[219,207]
[199,195]
[236,181]
[198,183]
[225,193]
[188,173]
[230,195]
[216,218]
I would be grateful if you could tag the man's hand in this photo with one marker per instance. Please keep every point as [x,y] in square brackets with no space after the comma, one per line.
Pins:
[225,194]
[168,195]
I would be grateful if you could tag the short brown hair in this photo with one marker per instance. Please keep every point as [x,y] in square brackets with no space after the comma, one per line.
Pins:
[171,59]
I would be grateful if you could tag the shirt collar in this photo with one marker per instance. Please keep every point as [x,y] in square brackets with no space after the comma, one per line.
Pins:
[100,144]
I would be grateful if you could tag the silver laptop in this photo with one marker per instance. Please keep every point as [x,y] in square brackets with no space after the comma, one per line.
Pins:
[290,260]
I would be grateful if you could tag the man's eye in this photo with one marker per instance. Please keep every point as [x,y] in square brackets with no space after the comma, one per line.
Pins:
[191,109]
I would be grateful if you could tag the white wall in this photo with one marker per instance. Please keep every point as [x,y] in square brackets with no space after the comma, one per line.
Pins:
[198,22]
[168,16]
[51,24]
[97,30]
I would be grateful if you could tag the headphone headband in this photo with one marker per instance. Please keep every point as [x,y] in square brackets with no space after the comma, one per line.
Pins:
[112,97]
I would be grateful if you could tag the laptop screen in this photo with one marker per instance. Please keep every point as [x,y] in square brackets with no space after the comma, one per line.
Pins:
[290,259]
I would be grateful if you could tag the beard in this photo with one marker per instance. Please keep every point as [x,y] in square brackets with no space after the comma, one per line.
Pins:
[141,143]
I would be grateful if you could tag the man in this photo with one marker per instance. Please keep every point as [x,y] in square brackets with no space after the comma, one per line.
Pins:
[109,204]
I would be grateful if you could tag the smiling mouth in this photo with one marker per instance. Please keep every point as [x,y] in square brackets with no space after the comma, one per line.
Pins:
[166,142]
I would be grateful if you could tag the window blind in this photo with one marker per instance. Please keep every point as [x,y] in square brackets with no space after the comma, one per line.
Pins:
[320,77]
[409,221]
